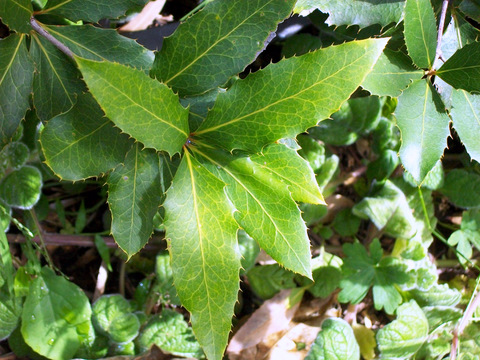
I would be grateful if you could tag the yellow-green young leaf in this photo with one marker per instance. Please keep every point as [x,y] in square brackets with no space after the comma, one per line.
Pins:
[465,114]
[16,78]
[202,237]
[142,107]
[134,197]
[420,32]
[16,14]
[90,10]
[462,69]
[217,43]
[56,83]
[98,44]
[288,97]
[82,142]
[265,208]
[392,73]
[423,124]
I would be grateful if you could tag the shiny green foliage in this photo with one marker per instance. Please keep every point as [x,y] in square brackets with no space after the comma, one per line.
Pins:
[217,43]
[16,78]
[468,182]
[16,14]
[21,188]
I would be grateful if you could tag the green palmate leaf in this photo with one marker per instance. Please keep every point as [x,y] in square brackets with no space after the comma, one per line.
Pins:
[83,142]
[354,12]
[216,43]
[420,32]
[134,197]
[56,82]
[55,314]
[403,337]
[423,123]
[140,106]
[336,340]
[170,332]
[16,14]
[202,237]
[265,208]
[16,78]
[90,10]
[465,114]
[462,69]
[97,44]
[392,73]
[21,188]
[270,105]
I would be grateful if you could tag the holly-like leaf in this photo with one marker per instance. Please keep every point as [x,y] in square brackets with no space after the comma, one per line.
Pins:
[462,69]
[423,123]
[16,14]
[465,114]
[265,208]
[90,10]
[55,314]
[280,101]
[56,83]
[392,73]
[134,197]
[420,32]
[82,142]
[354,12]
[217,43]
[140,106]
[97,44]
[16,78]
[404,336]
[202,237]
[21,188]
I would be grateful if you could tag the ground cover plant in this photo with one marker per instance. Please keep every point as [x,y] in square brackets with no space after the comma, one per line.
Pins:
[334,170]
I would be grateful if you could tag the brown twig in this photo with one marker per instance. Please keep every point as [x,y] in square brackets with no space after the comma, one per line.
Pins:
[38,28]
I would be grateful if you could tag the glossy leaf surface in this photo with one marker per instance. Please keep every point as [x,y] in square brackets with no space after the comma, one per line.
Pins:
[423,123]
[134,198]
[420,32]
[97,44]
[21,188]
[269,105]
[16,78]
[90,10]
[202,237]
[140,106]
[56,78]
[217,43]
[16,14]
[82,142]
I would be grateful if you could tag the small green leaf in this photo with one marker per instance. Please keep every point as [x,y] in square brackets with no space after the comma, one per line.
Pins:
[10,312]
[170,332]
[92,43]
[103,250]
[134,198]
[424,127]
[16,14]
[267,280]
[353,12]
[461,188]
[164,280]
[249,250]
[404,336]
[335,341]
[55,315]
[56,82]
[437,295]
[465,114]
[392,73]
[205,256]
[265,208]
[82,142]
[16,79]
[140,106]
[462,69]
[271,105]
[21,188]
[217,43]
[14,155]
[124,328]
[420,32]
[471,8]
[90,10]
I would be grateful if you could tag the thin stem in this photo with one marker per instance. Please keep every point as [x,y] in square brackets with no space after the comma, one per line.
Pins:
[441,25]
[121,279]
[40,236]
[36,26]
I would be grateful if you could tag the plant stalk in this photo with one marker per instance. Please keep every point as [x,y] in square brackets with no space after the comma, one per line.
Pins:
[36,26]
